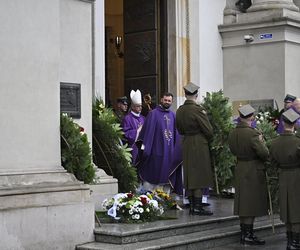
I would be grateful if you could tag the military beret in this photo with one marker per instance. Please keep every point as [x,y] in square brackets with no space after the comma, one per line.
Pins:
[123,100]
[191,89]
[289,98]
[246,110]
[290,116]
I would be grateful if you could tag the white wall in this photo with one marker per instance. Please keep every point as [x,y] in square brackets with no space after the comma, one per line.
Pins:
[99,88]
[76,54]
[210,42]
[29,85]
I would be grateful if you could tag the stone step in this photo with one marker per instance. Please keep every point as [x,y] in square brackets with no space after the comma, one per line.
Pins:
[208,238]
[128,233]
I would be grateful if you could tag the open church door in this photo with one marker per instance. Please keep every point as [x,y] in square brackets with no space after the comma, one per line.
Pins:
[142,63]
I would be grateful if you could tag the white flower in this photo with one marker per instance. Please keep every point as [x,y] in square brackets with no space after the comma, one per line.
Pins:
[261,118]
[154,203]
[257,122]
[105,203]
[147,210]
[161,211]
[137,216]
[133,217]
[123,204]
[141,210]
[130,212]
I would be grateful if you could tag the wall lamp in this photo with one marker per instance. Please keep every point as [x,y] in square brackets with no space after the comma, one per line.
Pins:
[249,38]
[118,43]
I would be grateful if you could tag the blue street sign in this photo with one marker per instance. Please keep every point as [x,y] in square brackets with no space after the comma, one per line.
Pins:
[266,36]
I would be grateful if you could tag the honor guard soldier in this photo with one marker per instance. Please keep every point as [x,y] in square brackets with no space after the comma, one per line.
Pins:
[285,154]
[192,122]
[250,200]
[288,103]
[122,106]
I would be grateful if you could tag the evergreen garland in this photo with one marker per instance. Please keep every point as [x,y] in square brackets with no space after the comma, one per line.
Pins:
[76,154]
[220,115]
[265,123]
[109,152]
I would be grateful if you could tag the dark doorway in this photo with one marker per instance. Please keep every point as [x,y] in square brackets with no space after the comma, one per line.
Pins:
[142,59]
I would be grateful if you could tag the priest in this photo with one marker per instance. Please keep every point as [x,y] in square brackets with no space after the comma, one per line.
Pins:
[133,122]
[161,161]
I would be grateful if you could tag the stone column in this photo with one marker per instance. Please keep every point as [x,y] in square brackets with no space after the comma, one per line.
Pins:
[297,3]
[41,206]
[268,63]
[259,5]
[182,49]
[230,12]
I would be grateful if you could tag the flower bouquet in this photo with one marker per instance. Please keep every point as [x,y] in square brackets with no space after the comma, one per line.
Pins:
[164,199]
[131,208]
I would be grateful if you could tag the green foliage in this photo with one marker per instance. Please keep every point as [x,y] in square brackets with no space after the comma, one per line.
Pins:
[220,112]
[109,152]
[76,154]
[267,127]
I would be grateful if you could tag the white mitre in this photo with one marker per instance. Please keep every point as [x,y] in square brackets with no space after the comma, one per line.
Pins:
[136,97]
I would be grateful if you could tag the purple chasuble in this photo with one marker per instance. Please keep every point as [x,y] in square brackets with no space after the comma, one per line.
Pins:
[130,124]
[162,156]
[280,128]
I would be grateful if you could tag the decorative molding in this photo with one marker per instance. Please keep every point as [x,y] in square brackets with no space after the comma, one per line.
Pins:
[87,1]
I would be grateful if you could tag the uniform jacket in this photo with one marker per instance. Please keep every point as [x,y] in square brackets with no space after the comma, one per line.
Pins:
[192,122]
[250,179]
[285,154]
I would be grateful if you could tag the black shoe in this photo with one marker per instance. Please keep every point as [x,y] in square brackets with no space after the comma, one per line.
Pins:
[201,211]
[294,242]
[249,238]
[253,240]
[205,204]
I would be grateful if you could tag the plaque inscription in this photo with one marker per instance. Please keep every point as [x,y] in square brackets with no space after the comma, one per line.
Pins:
[70,99]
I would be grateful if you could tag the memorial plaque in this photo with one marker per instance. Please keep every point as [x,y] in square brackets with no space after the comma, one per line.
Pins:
[70,99]
[258,105]
[261,105]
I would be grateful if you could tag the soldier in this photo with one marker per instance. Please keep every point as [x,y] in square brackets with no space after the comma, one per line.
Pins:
[192,122]
[122,105]
[285,154]
[288,103]
[250,200]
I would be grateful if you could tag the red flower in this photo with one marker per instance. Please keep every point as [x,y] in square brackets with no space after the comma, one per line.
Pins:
[129,195]
[81,129]
[144,200]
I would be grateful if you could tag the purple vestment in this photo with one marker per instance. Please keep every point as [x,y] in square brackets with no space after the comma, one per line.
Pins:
[130,125]
[162,156]
[280,128]
[238,120]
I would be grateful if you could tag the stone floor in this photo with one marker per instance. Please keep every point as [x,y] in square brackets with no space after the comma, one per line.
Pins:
[277,242]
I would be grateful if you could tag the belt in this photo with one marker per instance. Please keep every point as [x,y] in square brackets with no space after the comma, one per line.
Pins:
[246,159]
[289,166]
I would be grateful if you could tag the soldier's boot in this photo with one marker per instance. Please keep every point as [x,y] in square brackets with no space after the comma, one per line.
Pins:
[198,208]
[191,201]
[242,234]
[250,238]
[289,240]
[295,245]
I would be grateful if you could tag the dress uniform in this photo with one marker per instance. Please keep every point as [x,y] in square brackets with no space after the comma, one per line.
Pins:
[285,154]
[192,122]
[250,199]
[122,104]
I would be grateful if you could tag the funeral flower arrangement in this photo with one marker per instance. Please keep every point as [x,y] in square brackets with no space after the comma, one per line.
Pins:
[132,208]
[163,198]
